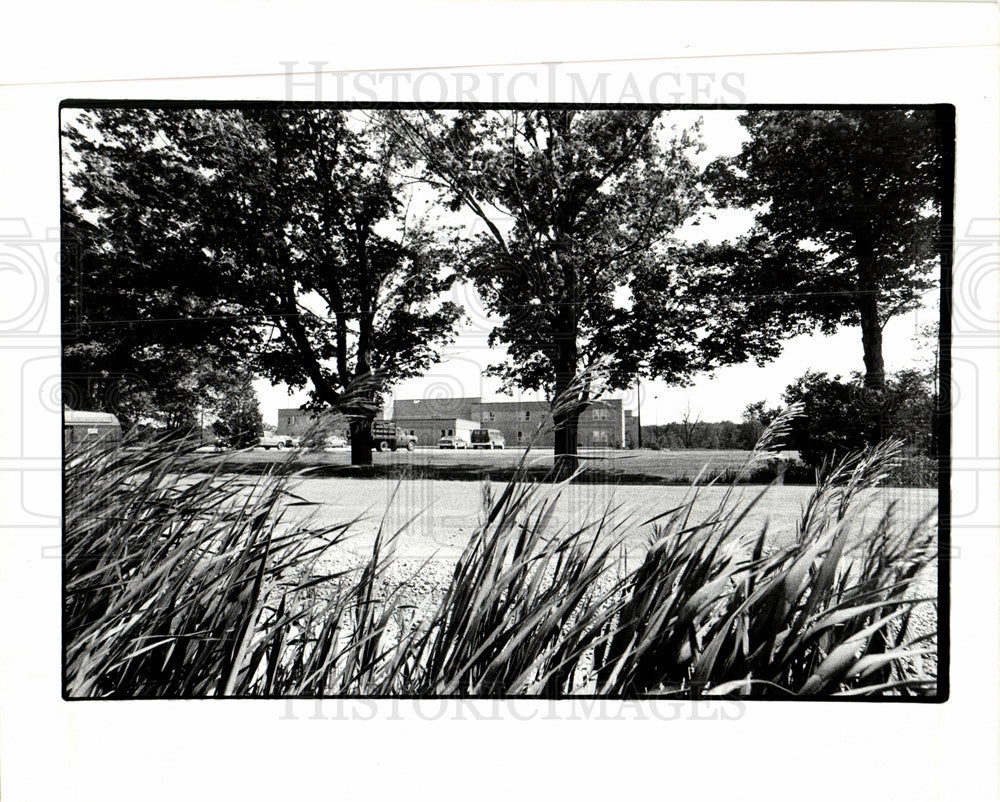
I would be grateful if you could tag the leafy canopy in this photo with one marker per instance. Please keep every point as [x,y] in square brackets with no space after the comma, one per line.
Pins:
[274,239]
[575,253]
[146,333]
[848,205]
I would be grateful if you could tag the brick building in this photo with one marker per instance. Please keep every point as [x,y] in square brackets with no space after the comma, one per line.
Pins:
[298,422]
[604,424]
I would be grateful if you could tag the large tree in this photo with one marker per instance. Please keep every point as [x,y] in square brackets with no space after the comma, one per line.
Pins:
[848,204]
[314,203]
[296,221]
[576,210]
[145,331]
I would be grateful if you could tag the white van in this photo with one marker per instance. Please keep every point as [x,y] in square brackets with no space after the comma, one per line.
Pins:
[488,438]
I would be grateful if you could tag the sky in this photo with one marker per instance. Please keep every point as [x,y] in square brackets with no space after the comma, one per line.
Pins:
[719,396]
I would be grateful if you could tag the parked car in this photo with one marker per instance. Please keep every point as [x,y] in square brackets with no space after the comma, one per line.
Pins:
[453,441]
[335,441]
[269,441]
[488,438]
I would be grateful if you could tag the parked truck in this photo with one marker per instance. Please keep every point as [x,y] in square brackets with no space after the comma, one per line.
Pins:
[386,437]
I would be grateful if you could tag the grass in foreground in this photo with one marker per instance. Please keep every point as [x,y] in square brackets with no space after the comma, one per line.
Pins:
[181,585]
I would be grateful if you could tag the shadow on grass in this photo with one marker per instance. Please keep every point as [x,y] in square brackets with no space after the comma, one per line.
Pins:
[602,470]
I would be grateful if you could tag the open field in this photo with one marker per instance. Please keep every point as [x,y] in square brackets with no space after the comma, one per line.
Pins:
[628,466]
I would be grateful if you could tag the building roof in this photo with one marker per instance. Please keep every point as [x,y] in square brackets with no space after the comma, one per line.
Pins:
[76,416]
[465,407]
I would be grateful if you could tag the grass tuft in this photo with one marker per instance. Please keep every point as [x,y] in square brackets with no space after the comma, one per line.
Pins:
[185,582]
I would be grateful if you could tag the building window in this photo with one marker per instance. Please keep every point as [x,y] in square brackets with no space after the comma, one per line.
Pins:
[451,432]
[489,416]
[600,413]
[520,436]
[442,432]
[600,437]
[291,421]
[525,414]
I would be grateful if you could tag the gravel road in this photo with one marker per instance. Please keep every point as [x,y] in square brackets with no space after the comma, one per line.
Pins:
[439,517]
[443,514]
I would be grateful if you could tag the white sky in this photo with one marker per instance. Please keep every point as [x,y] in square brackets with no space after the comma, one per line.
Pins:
[721,396]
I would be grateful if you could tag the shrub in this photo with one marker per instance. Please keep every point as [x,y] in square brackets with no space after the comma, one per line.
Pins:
[841,417]
[915,470]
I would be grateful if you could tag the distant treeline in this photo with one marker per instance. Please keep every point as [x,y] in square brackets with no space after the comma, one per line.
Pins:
[703,435]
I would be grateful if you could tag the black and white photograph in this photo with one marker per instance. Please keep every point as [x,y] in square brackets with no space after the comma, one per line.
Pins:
[388,400]
[500,399]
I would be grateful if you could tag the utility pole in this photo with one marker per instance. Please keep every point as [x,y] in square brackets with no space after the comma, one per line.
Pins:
[638,410]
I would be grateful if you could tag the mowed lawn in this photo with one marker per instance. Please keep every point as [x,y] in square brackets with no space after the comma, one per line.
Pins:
[440,516]
[674,466]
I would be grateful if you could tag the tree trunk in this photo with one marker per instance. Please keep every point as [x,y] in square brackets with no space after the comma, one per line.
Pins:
[567,425]
[871,342]
[874,384]
[361,441]
[567,409]
[868,295]
[567,406]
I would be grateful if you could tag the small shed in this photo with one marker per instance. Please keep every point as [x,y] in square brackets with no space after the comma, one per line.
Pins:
[81,428]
